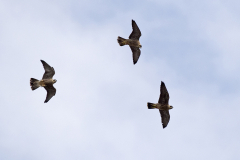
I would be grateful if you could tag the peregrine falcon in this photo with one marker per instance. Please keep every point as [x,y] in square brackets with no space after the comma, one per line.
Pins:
[46,82]
[133,42]
[162,105]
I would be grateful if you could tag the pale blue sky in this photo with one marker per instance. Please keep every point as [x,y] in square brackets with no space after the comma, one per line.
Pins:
[100,108]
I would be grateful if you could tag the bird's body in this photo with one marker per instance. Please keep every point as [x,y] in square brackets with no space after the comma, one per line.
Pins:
[130,42]
[46,82]
[133,42]
[162,105]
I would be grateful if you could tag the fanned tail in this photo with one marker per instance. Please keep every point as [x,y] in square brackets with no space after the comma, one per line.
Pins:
[34,83]
[121,41]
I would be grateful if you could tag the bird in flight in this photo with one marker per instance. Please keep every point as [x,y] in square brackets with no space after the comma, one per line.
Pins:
[46,82]
[133,41]
[162,105]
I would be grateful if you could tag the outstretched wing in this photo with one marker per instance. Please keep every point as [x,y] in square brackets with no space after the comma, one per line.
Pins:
[49,71]
[136,33]
[51,91]
[165,117]
[164,96]
[136,54]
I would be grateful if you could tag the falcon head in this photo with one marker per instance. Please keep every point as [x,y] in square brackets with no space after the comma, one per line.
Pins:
[171,107]
[54,81]
[140,46]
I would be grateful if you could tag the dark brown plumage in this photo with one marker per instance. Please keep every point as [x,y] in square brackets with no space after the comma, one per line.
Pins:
[162,105]
[133,42]
[46,82]
[163,99]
